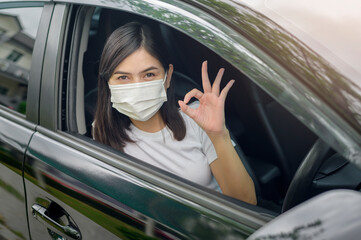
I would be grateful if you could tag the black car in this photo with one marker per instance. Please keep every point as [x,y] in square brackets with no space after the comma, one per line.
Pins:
[294,114]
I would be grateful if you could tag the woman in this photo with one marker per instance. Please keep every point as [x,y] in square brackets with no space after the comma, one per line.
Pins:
[136,114]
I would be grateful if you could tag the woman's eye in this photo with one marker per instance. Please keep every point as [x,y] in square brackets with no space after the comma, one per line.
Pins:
[122,77]
[149,75]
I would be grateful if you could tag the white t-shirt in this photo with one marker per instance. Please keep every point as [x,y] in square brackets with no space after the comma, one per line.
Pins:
[189,158]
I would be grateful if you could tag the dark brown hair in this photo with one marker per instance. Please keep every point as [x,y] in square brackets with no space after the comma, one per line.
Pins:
[109,125]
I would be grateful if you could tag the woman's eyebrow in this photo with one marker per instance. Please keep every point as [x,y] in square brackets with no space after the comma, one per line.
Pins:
[145,70]
[120,72]
[148,69]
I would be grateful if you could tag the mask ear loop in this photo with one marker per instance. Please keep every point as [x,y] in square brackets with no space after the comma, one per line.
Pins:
[165,77]
[164,80]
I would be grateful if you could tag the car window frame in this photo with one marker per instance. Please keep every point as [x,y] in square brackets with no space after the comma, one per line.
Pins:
[50,97]
[34,88]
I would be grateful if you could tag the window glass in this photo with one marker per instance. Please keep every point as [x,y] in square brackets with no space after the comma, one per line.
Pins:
[17,37]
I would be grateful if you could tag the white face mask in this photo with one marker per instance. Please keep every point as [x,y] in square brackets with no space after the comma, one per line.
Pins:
[139,101]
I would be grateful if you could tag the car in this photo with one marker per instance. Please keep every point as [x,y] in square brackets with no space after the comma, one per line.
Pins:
[293,114]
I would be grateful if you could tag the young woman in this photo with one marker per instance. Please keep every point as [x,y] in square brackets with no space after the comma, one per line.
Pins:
[137,114]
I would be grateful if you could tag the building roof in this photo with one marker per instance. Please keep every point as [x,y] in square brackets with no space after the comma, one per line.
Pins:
[14,17]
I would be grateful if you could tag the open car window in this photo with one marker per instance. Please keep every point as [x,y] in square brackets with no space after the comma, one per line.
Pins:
[271,141]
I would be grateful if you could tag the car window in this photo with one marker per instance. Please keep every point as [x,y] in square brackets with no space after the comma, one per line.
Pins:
[269,139]
[18,29]
[101,22]
[187,55]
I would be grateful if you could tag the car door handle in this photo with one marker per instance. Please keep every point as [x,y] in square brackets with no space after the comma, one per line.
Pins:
[40,213]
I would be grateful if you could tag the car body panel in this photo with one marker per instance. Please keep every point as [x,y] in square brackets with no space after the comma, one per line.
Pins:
[83,185]
[15,134]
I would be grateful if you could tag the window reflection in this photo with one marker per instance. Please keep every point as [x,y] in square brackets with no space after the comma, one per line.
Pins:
[17,39]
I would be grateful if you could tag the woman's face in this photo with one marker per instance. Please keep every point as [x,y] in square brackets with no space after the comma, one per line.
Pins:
[140,66]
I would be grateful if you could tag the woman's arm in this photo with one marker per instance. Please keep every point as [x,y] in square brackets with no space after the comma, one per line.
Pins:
[228,169]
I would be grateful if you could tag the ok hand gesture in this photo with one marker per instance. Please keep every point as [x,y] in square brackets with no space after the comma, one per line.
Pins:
[210,113]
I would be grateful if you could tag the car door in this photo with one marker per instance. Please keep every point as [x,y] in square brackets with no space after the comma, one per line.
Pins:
[20,49]
[77,188]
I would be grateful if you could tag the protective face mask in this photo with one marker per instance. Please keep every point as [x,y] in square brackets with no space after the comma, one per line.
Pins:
[139,101]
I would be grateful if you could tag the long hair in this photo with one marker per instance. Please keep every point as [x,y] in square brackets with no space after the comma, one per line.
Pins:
[109,125]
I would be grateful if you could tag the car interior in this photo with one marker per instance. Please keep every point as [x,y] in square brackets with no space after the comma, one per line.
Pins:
[271,142]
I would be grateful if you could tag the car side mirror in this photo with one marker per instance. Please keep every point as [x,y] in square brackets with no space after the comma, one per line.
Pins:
[334,215]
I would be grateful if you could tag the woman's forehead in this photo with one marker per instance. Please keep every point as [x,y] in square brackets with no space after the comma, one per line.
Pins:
[139,61]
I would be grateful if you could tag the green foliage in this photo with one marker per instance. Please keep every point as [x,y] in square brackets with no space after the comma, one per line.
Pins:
[22,107]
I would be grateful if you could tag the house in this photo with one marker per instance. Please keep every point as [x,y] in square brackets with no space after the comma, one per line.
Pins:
[15,61]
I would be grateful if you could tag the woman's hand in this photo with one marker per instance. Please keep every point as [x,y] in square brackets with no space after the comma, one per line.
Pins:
[210,113]
[228,169]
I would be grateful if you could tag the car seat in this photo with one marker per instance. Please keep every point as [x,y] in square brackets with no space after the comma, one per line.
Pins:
[290,139]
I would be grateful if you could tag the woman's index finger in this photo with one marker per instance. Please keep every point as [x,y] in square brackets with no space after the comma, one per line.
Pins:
[205,80]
